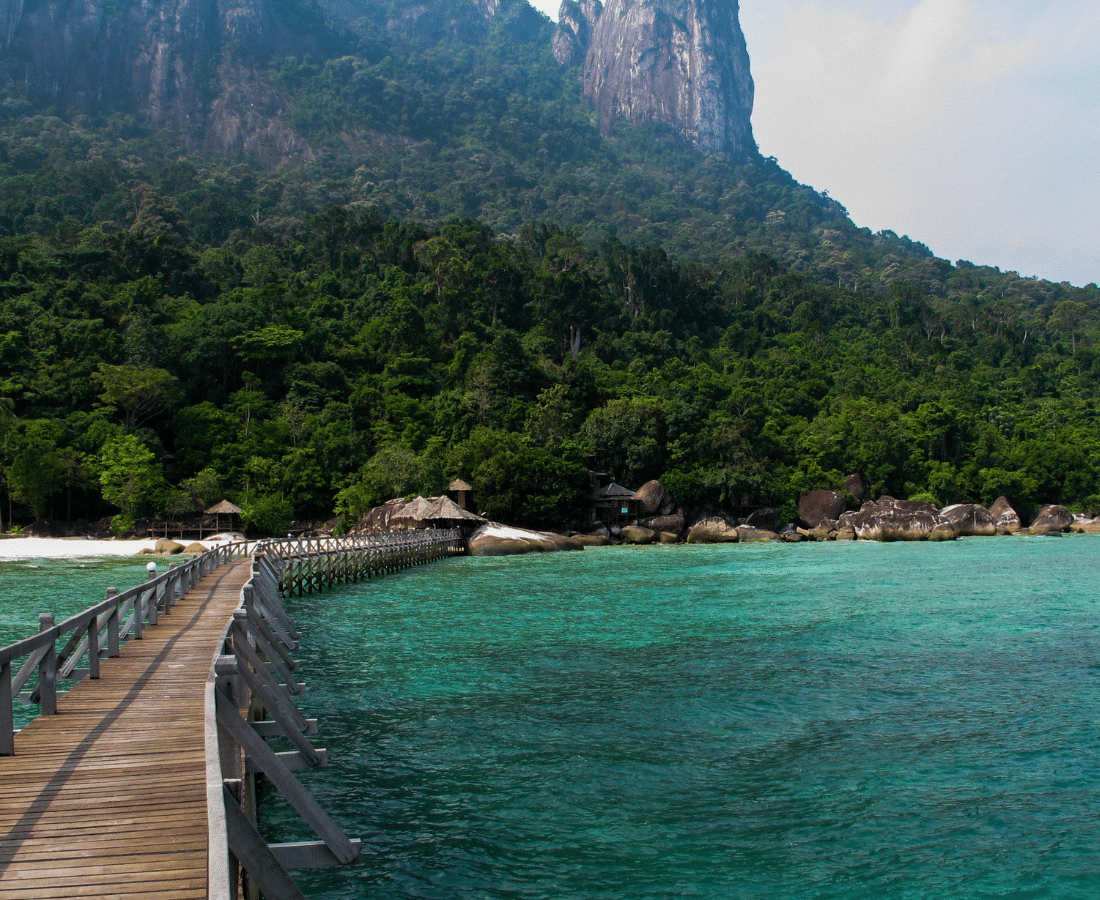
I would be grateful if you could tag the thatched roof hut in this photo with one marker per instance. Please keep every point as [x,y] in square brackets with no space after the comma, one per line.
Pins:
[225,508]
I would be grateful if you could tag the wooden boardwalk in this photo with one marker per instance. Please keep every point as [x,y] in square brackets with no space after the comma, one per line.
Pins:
[108,797]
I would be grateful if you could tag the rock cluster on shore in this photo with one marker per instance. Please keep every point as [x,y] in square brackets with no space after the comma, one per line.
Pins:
[823,516]
[658,519]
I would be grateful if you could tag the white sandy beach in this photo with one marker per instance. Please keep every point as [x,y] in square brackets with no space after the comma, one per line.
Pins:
[78,548]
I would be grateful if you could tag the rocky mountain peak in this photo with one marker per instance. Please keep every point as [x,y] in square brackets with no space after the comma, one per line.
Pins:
[681,62]
[576,19]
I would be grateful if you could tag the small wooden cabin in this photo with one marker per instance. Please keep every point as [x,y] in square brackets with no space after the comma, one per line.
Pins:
[616,505]
[461,494]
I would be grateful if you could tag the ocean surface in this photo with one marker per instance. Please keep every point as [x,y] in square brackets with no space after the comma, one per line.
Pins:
[852,720]
[746,721]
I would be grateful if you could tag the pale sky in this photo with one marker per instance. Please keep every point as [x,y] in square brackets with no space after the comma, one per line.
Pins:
[970,125]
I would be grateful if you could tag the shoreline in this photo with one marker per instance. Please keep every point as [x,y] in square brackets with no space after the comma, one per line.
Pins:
[17,547]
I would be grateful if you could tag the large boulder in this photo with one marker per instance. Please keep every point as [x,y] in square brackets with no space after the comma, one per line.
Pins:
[766,518]
[1052,518]
[1005,518]
[674,522]
[493,539]
[746,534]
[168,546]
[654,500]
[888,519]
[638,534]
[969,520]
[856,485]
[1085,524]
[592,540]
[712,531]
[817,506]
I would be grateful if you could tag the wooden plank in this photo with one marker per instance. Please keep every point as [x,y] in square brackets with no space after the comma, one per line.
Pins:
[108,797]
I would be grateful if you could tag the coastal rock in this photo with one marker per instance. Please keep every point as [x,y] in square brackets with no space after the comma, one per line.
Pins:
[844,532]
[1005,518]
[638,534]
[493,539]
[680,62]
[746,534]
[654,500]
[713,531]
[168,547]
[673,522]
[816,506]
[194,547]
[592,540]
[1052,518]
[970,520]
[944,531]
[667,537]
[889,519]
[856,485]
[766,518]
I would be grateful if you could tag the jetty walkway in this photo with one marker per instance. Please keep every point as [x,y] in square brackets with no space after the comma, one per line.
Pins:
[139,780]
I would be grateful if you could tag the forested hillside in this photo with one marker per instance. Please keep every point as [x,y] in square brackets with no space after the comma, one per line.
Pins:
[365,358]
[461,277]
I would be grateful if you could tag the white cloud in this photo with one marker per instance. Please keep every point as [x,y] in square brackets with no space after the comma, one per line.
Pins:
[549,7]
[970,125]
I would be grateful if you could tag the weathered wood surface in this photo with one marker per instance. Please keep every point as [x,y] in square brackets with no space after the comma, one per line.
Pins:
[108,797]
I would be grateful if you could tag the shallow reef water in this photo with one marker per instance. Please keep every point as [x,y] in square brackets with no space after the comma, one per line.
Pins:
[743,721]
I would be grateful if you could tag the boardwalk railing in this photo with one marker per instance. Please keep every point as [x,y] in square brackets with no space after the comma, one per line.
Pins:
[74,648]
[249,692]
[250,696]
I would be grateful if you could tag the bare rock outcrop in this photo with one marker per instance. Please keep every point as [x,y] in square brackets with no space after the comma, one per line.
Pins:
[638,534]
[654,500]
[197,67]
[681,62]
[747,534]
[856,485]
[888,519]
[493,539]
[574,35]
[713,531]
[673,523]
[1052,519]
[817,506]
[765,518]
[1005,518]
[970,520]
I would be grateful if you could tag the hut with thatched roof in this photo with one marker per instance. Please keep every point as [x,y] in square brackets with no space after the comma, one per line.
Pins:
[462,494]
[225,508]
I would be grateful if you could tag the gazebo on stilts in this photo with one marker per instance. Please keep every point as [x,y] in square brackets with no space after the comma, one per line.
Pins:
[225,508]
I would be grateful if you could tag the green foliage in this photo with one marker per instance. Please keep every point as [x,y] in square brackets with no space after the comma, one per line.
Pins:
[394,471]
[267,514]
[129,475]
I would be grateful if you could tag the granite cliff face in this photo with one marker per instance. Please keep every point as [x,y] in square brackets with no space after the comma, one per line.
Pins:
[681,62]
[191,66]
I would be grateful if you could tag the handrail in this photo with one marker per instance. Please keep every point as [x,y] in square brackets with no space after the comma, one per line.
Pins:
[93,634]
[255,666]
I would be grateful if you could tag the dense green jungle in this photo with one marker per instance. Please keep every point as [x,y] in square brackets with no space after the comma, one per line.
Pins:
[467,280]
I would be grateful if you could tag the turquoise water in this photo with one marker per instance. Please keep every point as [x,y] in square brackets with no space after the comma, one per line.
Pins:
[63,587]
[747,721]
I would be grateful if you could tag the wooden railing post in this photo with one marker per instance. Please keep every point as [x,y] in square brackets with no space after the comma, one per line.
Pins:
[47,670]
[113,627]
[93,647]
[7,717]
